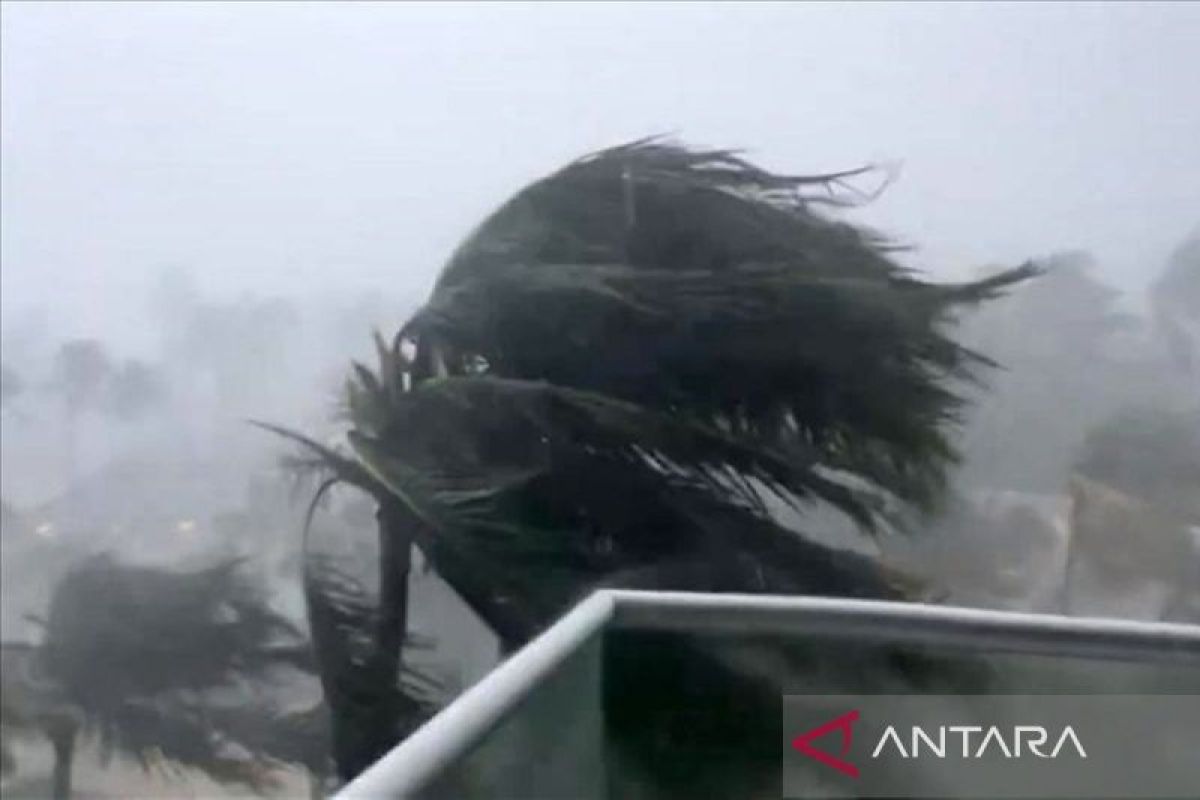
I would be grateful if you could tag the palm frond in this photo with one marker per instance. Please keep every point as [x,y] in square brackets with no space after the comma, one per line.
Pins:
[772,352]
[158,629]
[513,480]
[617,371]
[689,209]
[323,459]
[168,733]
[343,619]
[140,653]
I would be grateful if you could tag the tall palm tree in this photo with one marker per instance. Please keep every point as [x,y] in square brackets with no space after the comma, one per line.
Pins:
[624,370]
[148,661]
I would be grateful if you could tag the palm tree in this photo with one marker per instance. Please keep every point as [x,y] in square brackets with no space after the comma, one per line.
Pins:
[625,369]
[149,661]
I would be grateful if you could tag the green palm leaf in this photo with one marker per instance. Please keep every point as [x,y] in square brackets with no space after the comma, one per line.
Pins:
[624,366]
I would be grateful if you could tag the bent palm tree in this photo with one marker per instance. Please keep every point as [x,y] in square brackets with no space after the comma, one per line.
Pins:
[145,660]
[622,371]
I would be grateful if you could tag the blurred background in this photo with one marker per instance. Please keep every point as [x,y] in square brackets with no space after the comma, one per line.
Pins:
[207,208]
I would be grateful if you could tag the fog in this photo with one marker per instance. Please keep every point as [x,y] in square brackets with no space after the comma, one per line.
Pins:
[173,166]
[276,147]
[207,209]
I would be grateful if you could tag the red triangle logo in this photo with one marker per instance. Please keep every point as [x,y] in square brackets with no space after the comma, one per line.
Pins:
[845,724]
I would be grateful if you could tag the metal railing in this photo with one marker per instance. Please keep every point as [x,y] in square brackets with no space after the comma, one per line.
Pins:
[417,761]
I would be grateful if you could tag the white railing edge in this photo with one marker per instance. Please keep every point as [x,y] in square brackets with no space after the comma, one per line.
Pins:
[900,622]
[455,729]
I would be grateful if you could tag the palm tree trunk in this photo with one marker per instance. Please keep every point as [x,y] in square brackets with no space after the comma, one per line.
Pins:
[375,728]
[365,706]
[63,742]
[395,556]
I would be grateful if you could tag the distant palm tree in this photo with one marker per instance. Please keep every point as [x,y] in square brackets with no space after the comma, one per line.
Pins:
[622,372]
[149,661]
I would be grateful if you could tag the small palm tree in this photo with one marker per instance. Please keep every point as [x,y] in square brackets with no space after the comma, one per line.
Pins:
[144,659]
[624,372]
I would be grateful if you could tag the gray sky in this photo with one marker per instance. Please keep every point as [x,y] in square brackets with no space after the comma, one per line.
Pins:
[276,147]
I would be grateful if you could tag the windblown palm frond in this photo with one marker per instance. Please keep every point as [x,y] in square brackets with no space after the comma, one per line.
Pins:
[856,371]
[676,328]
[657,204]
[172,733]
[628,369]
[143,654]
[354,674]
[132,618]
[530,494]
[775,349]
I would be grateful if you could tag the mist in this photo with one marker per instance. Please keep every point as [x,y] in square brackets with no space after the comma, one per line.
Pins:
[208,209]
[307,146]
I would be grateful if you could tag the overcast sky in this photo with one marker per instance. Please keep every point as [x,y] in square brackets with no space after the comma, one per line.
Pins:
[283,148]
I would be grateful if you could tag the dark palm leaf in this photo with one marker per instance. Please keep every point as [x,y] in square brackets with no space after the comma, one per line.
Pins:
[297,736]
[856,370]
[142,654]
[623,364]
[678,329]
[131,619]
[512,478]
[371,706]
[172,732]
[322,459]
[657,204]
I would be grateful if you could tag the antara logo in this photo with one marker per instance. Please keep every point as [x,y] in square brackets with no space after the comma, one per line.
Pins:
[845,724]
[1034,738]
[1020,741]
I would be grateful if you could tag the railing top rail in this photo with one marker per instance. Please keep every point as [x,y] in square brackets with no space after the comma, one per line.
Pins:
[886,621]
